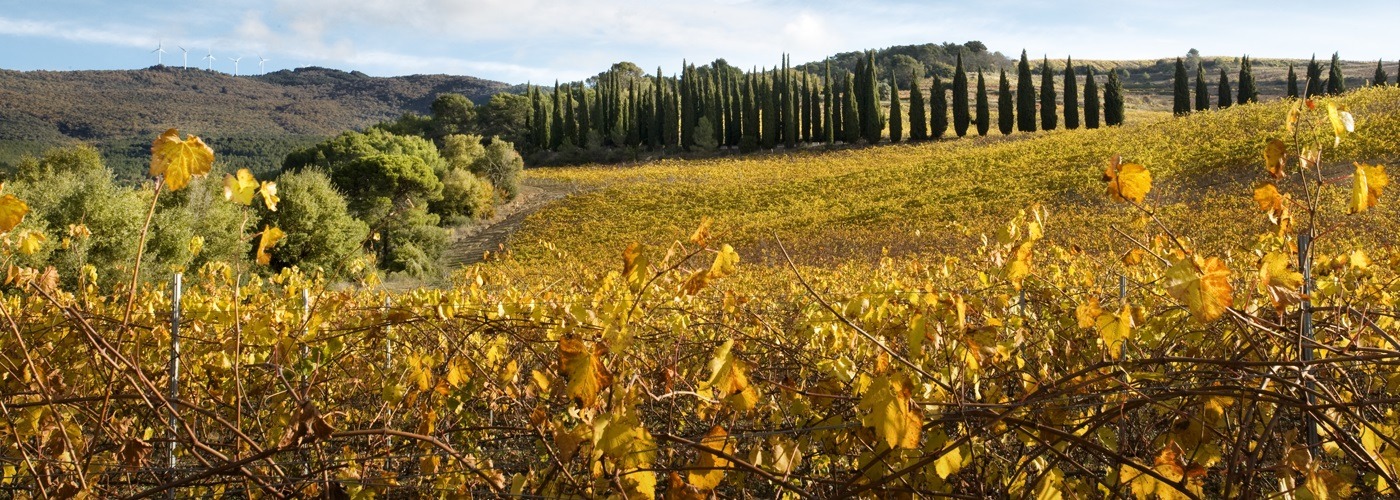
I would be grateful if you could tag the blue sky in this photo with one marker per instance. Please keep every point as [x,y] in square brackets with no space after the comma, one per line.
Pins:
[519,40]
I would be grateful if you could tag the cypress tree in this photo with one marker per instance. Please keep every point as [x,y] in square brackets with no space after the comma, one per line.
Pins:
[585,115]
[1006,119]
[1181,92]
[806,108]
[1314,77]
[851,111]
[960,109]
[1248,93]
[1071,96]
[634,113]
[838,124]
[687,107]
[876,121]
[1292,82]
[830,121]
[1113,100]
[1380,78]
[556,126]
[896,113]
[1224,90]
[1048,116]
[791,124]
[857,91]
[657,137]
[1091,100]
[772,126]
[938,109]
[1202,90]
[1025,96]
[749,140]
[984,111]
[918,116]
[1336,82]
[814,103]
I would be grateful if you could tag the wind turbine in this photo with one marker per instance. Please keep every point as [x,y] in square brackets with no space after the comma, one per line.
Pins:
[235,64]
[210,57]
[160,51]
[261,62]
[185,58]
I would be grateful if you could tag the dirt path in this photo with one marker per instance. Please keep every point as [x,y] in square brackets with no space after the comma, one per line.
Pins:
[471,241]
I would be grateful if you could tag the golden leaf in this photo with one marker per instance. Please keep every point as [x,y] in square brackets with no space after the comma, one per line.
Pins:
[1275,156]
[584,369]
[887,410]
[1127,182]
[240,188]
[1342,122]
[1366,186]
[1203,284]
[12,212]
[701,236]
[270,237]
[179,161]
[1087,313]
[728,379]
[269,195]
[1020,266]
[1115,329]
[196,245]
[953,461]
[1134,257]
[31,241]
[708,469]
[1279,282]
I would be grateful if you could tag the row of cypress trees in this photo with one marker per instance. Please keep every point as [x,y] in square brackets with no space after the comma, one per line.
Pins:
[1334,83]
[708,107]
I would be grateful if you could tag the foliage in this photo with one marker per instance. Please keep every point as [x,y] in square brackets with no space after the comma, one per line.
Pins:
[1113,100]
[1049,116]
[321,236]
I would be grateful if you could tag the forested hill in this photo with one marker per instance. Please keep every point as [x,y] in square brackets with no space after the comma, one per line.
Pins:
[252,120]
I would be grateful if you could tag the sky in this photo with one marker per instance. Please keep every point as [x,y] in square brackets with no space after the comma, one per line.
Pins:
[534,40]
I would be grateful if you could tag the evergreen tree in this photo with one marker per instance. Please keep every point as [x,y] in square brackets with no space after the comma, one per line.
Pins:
[1224,90]
[1071,96]
[814,103]
[749,140]
[896,113]
[556,126]
[1113,100]
[585,115]
[1292,82]
[851,110]
[984,111]
[918,115]
[829,122]
[1336,82]
[658,127]
[838,124]
[1048,117]
[960,109]
[1314,77]
[1006,119]
[687,107]
[1025,96]
[938,109]
[1202,89]
[772,126]
[790,122]
[1248,93]
[806,108]
[1380,78]
[1181,91]
[1091,100]
[875,121]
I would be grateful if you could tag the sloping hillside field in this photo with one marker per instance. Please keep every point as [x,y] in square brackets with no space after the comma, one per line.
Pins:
[1194,307]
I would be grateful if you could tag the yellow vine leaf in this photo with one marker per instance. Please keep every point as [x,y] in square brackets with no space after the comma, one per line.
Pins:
[31,241]
[269,195]
[1274,204]
[726,263]
[12,211]
[639,483]
[1115,329]
[1203,284]
[1127,182]
[634,266]
[584,369]
[701,236]
[1366,186]
[1020,266]
[239,188]
[1087,314]
[1134,257]
[1342,122]
[1275,153]
[676,489]
[953,461]
[180,161]
[270,236]
[887,409]
[708,469]
[1279,282]
[728,379]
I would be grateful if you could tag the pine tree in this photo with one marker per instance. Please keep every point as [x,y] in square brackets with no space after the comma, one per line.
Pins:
[960,109]
[1113,100]
[938,109]
[1314,77]
[1025,96]
[1202,89]
[896,113]
[1006,119]
[1336,82]
[1091,100]
[1380,78]
[984,111]
[1224,90]
[1248,93]
[1048,116]
[851,120]
[829,116]
[1071,96]
[918,115]
[1181,91]
[1292,82]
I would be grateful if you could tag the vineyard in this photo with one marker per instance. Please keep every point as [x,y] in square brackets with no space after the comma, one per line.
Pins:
[1191,307]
